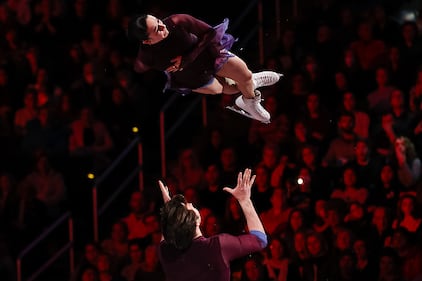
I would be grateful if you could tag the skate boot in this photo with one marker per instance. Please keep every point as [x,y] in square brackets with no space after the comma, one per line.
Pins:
[253,107]
[265,78]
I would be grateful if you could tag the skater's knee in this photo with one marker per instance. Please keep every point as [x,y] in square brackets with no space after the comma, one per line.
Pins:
[247,76]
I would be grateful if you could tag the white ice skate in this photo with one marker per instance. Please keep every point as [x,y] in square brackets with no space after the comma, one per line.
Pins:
[265,78]
[251,108]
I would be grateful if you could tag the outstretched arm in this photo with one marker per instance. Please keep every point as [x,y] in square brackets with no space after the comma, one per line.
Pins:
[242,193]
[166,196]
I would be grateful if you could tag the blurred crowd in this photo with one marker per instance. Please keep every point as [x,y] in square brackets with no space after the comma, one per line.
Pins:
[338,169]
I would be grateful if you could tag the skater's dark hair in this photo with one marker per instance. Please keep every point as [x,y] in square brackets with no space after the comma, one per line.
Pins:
[137,28]
[178,223]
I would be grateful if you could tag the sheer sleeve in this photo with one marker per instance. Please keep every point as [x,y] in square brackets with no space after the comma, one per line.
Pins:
[203,31]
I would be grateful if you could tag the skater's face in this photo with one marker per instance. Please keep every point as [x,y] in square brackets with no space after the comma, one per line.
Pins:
[156,30]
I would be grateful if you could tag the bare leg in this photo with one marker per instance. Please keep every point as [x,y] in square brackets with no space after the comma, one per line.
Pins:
[237,70]
[250,100]
[219,85]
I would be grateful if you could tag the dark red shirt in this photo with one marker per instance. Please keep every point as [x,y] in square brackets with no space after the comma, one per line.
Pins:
[207,259]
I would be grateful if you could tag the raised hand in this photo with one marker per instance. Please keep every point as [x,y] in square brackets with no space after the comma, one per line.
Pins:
[242,191]
[164,191]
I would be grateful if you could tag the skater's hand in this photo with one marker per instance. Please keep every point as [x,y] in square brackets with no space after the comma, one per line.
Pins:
[242,191]
[164,191]
[176,62]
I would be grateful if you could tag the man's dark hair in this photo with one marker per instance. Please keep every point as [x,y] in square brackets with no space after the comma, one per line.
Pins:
[178,224]
[137,28]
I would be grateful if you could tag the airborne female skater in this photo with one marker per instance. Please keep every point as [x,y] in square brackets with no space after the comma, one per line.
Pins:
[195,57]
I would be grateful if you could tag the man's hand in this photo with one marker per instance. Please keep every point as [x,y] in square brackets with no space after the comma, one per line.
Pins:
[242,191]
[164,191]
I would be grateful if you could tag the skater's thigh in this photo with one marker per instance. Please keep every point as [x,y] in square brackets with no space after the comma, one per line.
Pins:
[213,88]
[235,68]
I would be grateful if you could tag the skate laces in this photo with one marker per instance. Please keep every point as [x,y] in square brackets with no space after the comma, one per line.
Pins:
[265,78]
[257,104]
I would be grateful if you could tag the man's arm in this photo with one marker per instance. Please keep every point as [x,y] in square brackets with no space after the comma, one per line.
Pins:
[242,192]
[166,196]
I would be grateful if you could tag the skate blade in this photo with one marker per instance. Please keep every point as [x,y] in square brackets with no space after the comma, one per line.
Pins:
[244,113]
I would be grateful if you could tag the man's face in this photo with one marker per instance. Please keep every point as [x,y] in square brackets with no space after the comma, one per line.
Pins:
[156,30]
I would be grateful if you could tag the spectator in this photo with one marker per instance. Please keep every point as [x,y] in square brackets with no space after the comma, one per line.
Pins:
[104,266]
[275,219]
[136,257]
[276,132]
[320,222]
[379,99]
[349,192]
[409,252]
[188,170]
[211,146]
[415,95]
[295,223]
[408,162]
[276,260]
[366,269]
[89,259]
[233,221]
[317,119]
[318,266]
[135,220]
[254,270]
[401,76]
[386,191]
[44,133]
[49,185]
[343,241]
[27,113]
[90,141]
[341,148]
[8,198]
[350,66]
[150,268]
[357,220]
[262,192]
[347,266]
[385,28]
[379,234]
[319,181]
[410,45]
[212,195]
[300,254]
[408,215]
[389,266]
[212,225]
[270,159]
[117,246]
[366,164]
[88,273]
[369,51]
[301,138]
[362,120]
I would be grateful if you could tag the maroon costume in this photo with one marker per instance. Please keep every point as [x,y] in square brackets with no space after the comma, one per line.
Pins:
[204,49]
[207,259]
